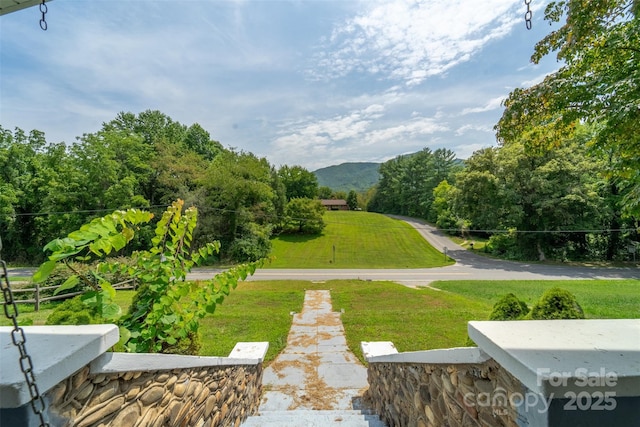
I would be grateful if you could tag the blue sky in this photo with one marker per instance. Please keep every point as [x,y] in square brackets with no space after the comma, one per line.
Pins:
[311,83]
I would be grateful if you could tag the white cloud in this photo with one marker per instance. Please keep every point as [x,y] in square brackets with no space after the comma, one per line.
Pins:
[336,129]
[412,40]
[363,133]
[413,74]
[465,151]
[493,104]
[409,129]
[471,128]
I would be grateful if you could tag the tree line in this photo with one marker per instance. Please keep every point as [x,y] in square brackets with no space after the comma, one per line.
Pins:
[148,160]
[558,203]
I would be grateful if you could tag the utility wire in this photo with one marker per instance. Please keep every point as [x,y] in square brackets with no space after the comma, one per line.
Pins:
[365,224]
[87,211]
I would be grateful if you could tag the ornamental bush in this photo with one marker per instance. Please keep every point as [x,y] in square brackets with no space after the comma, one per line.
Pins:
[556,303]
[74,312]
[509,307]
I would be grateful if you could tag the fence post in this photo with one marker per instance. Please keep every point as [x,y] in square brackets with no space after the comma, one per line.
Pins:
[37,297]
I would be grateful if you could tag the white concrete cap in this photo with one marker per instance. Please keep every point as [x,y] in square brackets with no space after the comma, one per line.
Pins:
[249,350]
[448,356]
[56,353]
[377,348]
[556,356]
[110,363]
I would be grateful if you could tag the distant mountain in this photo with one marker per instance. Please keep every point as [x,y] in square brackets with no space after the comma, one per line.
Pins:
[349,176]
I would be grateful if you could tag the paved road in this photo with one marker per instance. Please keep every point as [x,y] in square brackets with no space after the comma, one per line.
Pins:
[468,266]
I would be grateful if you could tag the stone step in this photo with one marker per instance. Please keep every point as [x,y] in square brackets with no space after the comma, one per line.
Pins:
[311,418]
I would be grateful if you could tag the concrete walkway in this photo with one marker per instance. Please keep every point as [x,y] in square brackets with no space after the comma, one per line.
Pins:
[316,370]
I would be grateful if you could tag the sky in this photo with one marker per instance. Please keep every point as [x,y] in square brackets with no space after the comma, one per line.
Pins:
[300,82]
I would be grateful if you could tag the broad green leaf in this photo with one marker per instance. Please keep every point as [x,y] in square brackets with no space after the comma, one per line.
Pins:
[125,335]
[100,246]
[252,268]
[169,319]
[242,272]
[54,245]
[83,236]
[44,271]
[109,224]
[57,256]
[100,229]
[111,311]
[90,298]
[108,289]
[70,283]
[127,233]
[118,241]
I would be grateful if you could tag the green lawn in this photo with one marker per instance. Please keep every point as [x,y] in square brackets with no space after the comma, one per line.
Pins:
[361,240]
[254,311]
[600,299]
[413,319]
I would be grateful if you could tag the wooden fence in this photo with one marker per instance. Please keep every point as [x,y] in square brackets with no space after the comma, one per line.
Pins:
[38,298]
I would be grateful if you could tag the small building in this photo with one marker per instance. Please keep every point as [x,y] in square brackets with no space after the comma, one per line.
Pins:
[335,204]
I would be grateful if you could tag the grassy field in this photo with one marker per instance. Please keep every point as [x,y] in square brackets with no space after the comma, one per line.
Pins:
[600,299]
[361,240]
[254,311]
[413,319]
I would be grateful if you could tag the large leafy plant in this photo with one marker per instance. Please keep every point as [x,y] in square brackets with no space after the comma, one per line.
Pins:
[165,312]
[97,239]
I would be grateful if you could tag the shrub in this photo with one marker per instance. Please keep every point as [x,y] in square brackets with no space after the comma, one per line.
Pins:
[446,220]
[189,345]
[504,244]
[556,303]
[73,312]
[509,307]
[253,245]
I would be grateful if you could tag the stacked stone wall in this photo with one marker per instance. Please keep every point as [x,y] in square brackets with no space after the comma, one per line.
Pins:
[203,397]
[420,394]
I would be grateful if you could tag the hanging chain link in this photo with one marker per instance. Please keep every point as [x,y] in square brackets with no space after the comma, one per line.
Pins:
[528,15]
[43,9]
[19,340]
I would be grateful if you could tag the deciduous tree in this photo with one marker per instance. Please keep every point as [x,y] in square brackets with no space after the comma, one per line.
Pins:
[598,44]
[299,182]
[306,215]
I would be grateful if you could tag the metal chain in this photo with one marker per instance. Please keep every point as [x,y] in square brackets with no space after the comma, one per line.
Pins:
[43,9]
[528,15]
[19,340]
